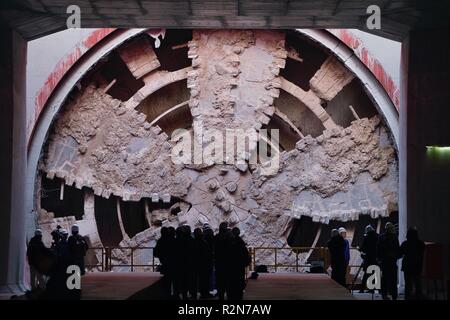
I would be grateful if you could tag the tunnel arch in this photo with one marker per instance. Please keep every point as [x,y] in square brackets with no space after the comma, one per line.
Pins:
[323,38]
[374,89]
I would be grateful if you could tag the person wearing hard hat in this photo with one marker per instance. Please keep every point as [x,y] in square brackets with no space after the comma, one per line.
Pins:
[336,247]
[343,233]
[388,252]
[35,251]
[62,249]
[77,248]
[368,252]
[56,236]
[57,283]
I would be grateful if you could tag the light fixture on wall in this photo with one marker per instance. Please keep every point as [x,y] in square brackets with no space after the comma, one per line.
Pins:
[439,155]
[438,148]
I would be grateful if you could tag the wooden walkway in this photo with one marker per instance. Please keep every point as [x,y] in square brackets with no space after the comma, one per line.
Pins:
[115,285]
[270,286]
[295,286]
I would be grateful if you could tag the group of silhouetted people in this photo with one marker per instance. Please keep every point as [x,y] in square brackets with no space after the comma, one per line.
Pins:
[209,264]
[202,263]
[383,250]
[48,266]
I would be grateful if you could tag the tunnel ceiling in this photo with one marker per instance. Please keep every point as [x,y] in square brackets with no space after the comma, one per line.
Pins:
[114,139]
[34,19]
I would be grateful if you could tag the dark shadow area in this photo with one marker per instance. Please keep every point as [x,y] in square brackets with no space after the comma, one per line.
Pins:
[299,114]
[133,217]
[352,94]
[288,137]
[173,51]
[303,232]
[115,69]
[152,292]
[72,203]
[298,72]
[107,221]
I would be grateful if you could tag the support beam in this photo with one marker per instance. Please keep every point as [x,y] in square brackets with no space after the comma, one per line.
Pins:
[139,57]
[330,79]
[148,213]
[61,192]
[180,46]
[293,54]
[310,100]
[169,111]
[109,86]
[12,161]
[286,119]
[355,115]
[155,81]
[119,218]
[425,114]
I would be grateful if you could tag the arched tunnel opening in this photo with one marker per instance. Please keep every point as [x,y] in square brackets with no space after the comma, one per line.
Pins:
[110,146]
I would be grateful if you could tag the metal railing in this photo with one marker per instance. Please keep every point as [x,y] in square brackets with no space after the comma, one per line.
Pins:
[125,259]
[318,253]
[303,257]
[294,259]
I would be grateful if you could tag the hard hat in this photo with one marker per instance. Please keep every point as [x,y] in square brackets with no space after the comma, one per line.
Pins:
[341,230]
[38,232]
[369,228]
[64,232]
[390,228]
[75,228]
[334,232]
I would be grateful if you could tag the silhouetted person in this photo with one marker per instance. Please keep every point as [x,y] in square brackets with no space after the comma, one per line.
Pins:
[161,251]
[172,263]
[388,252]
[238,260]
[62,249]
[412,250]
[35,252]
[201,264]
[171,232]
[56,236]
[182,261]
[220,263]
[190,265]
[343,234]
[57,283]
[368,252]
[336,246]
[165,252]
[77,248]
[208,282]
